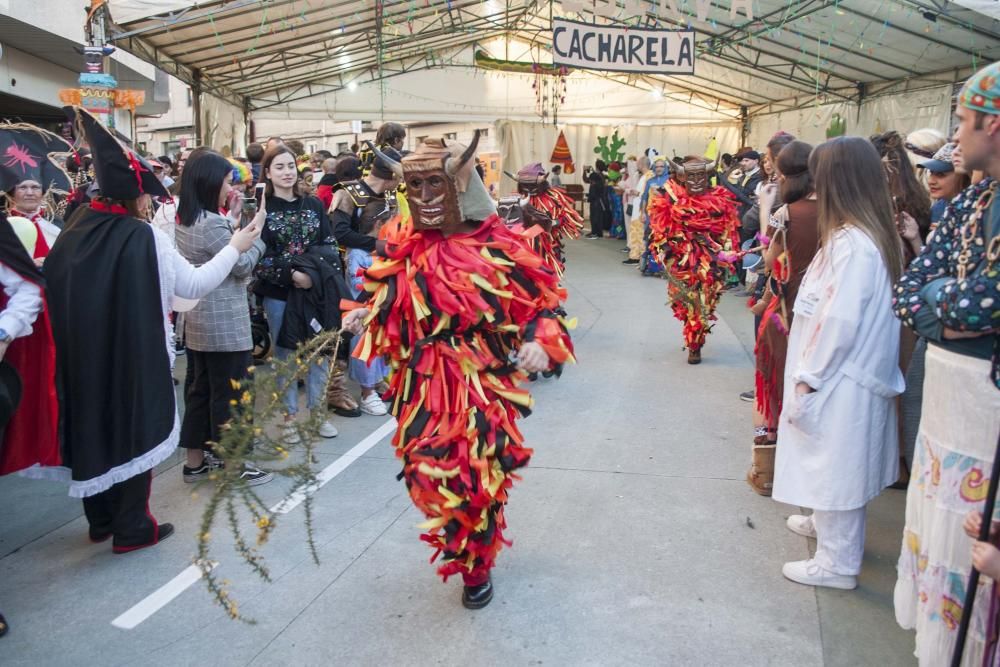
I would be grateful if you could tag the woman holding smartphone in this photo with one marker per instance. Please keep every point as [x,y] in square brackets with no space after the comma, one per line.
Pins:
[217,329]
[294,223]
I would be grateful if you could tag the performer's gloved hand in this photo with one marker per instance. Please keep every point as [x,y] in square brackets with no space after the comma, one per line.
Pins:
[532,358]
[354,321]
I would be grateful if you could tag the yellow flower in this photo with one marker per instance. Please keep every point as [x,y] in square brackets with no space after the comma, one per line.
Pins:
[263,522]
[235,384]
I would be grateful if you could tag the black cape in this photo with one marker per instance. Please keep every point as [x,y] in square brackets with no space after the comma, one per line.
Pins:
[116,392]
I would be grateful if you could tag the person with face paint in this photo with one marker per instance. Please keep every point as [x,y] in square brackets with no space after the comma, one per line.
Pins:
[463,308]
[690,226]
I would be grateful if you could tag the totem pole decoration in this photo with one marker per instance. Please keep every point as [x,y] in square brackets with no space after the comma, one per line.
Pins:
[98,92]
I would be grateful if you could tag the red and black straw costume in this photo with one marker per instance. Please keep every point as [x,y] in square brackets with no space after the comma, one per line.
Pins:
[688,233]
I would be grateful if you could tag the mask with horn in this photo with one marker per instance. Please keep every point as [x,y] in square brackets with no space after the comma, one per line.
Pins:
[531,180]
[437,176]
[693,173]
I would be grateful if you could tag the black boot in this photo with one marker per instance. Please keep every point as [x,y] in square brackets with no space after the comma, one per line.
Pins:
[477,597]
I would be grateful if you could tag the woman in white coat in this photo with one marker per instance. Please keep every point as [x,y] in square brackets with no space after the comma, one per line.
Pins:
[837,444]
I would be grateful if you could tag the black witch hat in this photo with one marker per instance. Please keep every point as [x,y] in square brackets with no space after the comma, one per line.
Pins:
[121,172]
[25,152]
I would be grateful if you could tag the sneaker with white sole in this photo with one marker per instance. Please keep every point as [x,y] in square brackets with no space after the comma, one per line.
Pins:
[290,434]
[373,405]
[801,524]
[811,573]
[254,476]
[208,464]
[327,430]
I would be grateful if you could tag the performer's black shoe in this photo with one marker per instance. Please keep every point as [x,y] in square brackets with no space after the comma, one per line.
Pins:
[630,261]
[694,357]
[165,531]
[532,377]
[98,537]
[477,597]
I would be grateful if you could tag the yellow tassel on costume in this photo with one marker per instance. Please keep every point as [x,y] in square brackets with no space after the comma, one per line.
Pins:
[436,473]
[444,322]
[453,500]
[484,251]
[431,524]
[479,281]
[366,346]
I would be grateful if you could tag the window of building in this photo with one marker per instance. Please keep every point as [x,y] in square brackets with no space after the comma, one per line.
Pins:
[342,147]
[484,132]
[451,135]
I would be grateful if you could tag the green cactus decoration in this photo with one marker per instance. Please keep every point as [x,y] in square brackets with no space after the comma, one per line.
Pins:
[837,127]
[610,151]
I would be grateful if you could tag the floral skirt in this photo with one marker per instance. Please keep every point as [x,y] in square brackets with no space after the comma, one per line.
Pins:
[950,477]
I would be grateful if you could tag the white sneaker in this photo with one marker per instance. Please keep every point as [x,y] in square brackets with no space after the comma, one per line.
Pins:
[327,430]
[811,573]
[803,525]
[289,434]
[373,405]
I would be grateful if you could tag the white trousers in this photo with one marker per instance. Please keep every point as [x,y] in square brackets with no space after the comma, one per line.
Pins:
[840,540]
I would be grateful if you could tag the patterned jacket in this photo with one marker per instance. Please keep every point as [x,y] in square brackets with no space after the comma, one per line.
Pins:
[929,296]
[221,320]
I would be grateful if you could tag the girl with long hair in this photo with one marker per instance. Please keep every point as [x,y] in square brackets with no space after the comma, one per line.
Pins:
[837,435]
[217,330]
[794,239]
[294,223]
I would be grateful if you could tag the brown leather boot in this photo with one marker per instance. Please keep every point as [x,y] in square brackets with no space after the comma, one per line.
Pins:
[694,357]
[338,398]
[760,477]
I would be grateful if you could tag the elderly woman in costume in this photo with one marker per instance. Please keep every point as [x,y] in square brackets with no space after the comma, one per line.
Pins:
[28,178]
[690,225]
[458,297]
[113,275]
[31,437]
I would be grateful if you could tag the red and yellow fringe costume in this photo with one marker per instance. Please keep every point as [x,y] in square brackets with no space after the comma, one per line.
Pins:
[566,223]
[448,312]
[688,234]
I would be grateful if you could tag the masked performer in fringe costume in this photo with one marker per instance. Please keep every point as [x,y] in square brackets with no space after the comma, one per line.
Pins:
[689,229]
[458,295]
[543,213]
[553,202]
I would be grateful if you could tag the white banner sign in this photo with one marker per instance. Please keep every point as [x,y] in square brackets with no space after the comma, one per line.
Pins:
[620,49]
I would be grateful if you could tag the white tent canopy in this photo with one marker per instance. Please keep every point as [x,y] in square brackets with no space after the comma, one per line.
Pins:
[792,65]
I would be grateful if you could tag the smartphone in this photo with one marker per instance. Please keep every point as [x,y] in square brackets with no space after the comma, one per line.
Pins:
[258,193]
[249,211]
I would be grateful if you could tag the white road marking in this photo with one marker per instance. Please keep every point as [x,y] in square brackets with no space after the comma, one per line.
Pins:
[161,597]
[335,468]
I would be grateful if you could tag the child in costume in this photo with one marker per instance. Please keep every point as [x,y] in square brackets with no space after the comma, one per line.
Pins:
[463,307]
[689,229]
